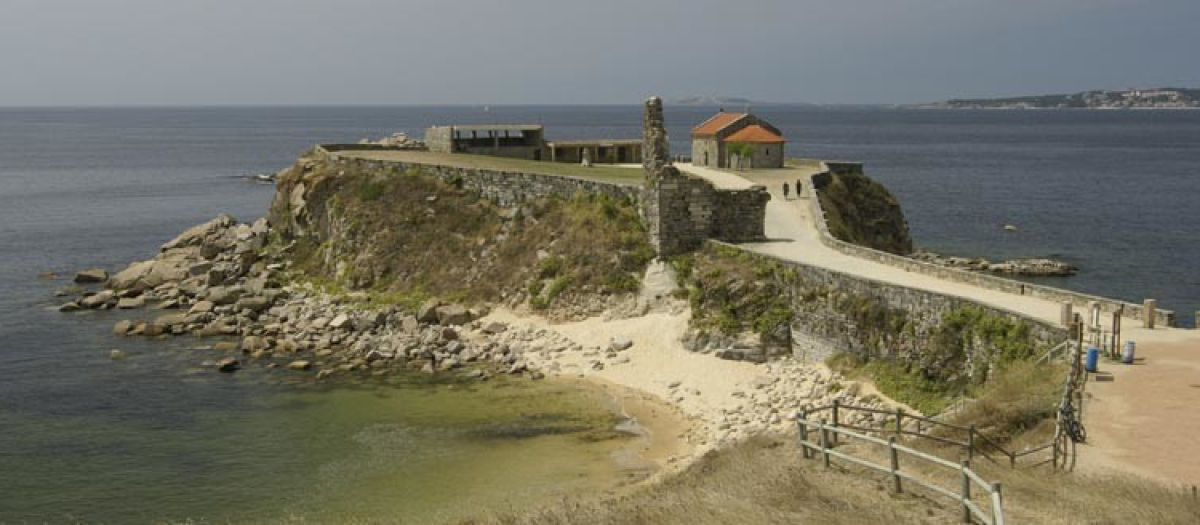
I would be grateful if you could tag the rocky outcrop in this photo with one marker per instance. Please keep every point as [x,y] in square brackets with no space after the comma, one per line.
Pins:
[861,211]
[1036,267]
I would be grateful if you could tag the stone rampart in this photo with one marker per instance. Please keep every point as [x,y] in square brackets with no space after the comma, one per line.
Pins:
[1078,300]
[504,188]
[839,312]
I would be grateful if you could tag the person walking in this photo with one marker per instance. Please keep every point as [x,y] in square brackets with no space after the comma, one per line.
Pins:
[785,191]
[799,188]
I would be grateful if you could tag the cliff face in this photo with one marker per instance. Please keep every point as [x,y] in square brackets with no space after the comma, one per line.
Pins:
[861,211]
[408,237]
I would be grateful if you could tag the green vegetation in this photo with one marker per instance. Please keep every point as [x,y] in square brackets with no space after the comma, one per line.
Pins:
[861,211]
[404,239]
[732,292]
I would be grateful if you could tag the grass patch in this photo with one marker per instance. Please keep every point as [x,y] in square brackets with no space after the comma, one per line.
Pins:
[597,172]
[900,382]
[861,211]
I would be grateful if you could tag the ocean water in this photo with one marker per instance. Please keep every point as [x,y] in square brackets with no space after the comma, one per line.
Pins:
[152,438]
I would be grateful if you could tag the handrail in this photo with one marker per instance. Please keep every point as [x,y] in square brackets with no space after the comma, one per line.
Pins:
[971,510]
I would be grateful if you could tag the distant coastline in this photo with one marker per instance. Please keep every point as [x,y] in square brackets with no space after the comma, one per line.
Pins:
[1152,98]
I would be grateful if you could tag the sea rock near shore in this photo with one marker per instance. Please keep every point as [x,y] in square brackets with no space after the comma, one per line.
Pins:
[1031,267]
[94,275]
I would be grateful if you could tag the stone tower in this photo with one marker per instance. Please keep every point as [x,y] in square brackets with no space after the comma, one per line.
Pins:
[656,149]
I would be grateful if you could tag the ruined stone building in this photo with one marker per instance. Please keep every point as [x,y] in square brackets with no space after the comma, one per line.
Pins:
[737,140]
[521,141]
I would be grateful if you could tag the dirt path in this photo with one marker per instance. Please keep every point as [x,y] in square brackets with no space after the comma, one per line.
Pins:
[1143,420]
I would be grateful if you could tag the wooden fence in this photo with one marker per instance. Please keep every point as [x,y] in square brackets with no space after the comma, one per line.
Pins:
[827,437]
[968,438]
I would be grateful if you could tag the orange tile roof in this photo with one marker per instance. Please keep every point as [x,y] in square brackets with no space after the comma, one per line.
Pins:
[715,124]
[755,133]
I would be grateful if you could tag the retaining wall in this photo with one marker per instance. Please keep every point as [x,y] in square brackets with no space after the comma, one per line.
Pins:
[835,311]
[683,210]
[1078,300]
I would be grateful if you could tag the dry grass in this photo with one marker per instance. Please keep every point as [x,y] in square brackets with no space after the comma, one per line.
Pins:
[600,172]
[760,481]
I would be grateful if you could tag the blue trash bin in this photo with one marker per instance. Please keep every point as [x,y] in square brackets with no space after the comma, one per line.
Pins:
[1093,358]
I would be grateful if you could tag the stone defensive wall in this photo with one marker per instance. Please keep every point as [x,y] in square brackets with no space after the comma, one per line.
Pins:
[835,311]
[1079,301]
[684,210]
[504,188]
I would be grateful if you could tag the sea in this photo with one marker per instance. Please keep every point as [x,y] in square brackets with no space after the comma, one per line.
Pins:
[158,438]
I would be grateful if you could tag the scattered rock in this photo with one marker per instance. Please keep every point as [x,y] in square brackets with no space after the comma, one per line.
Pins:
[227,365]
[494,328]
[131,303]
[428,311]
[69,307]
[225,346]
[453,315]
[117,355]
[299,365]
[254,304]
[620,343]
[122,327]
[94,275]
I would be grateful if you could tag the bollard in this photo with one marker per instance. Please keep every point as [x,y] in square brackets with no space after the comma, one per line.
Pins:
[1066,316]
[1148,308]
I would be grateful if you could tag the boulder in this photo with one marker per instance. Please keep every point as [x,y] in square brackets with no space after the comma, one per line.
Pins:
[222,295]
[171,320]
[117,355]
[225,346]
[409,324]
[253,343]
[131,303]
[69,307]
[428,311]
[228,365]
[620,343]
[453,315]
[341,321]
[494,328]
[122,327]
[93,275]
[131,275]
[449,334]
[202,307]
[97,300]
[299,365]
[254,304]
[207,233]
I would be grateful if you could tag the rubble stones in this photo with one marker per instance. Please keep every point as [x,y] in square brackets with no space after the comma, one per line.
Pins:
[91,276]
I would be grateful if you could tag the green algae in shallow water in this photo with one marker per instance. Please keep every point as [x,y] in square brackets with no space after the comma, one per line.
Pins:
[414,453]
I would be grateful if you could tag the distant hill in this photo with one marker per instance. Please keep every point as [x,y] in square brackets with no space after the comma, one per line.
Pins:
[731,103]
[1167,97]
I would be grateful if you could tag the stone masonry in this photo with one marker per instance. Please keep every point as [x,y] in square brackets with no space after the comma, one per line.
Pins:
[681,211]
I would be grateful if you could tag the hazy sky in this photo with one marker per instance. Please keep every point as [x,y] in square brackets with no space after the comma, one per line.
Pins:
[119,52]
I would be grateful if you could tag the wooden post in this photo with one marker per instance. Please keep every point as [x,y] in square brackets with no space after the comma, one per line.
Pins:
[1066,316]
[803,424]
[971,442]
[966,491]
[895,465]
[899,425]
[997,504]
[1054,452]
[824,441]
[1148,308]
[835,420]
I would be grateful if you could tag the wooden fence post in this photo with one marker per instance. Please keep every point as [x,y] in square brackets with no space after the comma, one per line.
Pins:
[899,424]
[895,464]
[803,424]
[971,442]
[824,441]
[966,492]
[997,504]
[835,420]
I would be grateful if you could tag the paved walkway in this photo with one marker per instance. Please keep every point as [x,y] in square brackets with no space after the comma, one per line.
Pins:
[1142,419]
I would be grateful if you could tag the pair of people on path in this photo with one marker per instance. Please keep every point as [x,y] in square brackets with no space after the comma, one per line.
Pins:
[785,190]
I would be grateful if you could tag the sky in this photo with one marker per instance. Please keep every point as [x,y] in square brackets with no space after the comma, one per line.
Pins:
[286,52]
